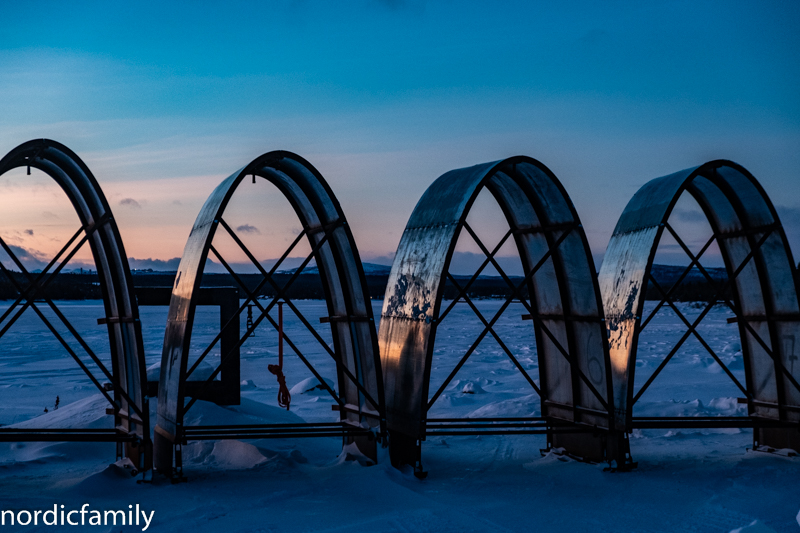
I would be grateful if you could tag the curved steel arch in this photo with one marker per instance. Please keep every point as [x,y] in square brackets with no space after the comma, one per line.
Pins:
[565,300]
[128,374]
[756,255]
[351,319]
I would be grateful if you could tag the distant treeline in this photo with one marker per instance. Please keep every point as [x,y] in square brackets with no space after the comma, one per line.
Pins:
[60,287]
[83,286]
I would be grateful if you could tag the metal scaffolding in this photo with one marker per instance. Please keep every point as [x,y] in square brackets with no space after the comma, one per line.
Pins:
[565,309]
[125,390]
[586,327]
[761,278]
[355,349]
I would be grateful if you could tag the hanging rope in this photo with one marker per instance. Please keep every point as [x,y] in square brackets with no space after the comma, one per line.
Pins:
[284,397]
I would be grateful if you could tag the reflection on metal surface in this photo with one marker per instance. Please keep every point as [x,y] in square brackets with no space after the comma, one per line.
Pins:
[761,275]
[355,349]
[559,276]
[126,392]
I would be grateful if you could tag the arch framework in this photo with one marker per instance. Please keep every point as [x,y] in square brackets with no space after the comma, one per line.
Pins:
[360,389]
[98,227]
[761,275]
[565,304]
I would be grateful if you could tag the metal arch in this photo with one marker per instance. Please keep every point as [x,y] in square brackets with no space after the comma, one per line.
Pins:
[352,323]
[756,254]
[564,295]
[122,313]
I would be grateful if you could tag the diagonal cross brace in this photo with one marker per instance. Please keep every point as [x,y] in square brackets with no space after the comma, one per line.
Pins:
[38,288]
[489,326]
[768,350]
[700,317]
[261,317]
[491,258]
[475,275]
[703,343]
[694,262]
[514,294]
[42,280]
[566,231]
[243,306]
[275,286]
[66,346]
[265,313]
[303,320]
[497,338]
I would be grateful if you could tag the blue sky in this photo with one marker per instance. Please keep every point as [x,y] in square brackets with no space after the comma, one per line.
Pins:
[164,99]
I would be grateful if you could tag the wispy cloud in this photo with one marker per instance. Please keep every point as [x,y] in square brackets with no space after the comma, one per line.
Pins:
[247,228]
[130,202]
[28,232]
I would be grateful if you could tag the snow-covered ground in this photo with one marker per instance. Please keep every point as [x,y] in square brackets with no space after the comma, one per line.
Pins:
[703,480]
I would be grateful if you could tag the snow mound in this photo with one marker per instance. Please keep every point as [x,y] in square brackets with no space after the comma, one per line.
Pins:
[754,527]
[351,453]
[234,455]
[107,481]
[154,372]
[524,406]
[726,406]
[783,452]
[201,373]
[311,386]
[478,383]
[472,388]
[248,384]
[238,455]
[557,454]
[248,412]
[89,412]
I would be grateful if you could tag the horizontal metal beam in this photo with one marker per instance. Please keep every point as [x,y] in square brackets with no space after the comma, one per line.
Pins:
[711,422]
[327,319]
[66,435]
[449,432]
[566,318]
[764,318]
[504,426]
[274,431]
